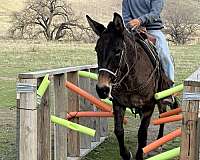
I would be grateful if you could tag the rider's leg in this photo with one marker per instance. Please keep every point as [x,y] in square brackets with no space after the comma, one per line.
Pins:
[164,54]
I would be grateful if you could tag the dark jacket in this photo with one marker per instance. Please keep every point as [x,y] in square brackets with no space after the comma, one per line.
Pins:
[148,11]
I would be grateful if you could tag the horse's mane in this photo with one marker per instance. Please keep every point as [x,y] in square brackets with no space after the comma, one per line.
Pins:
[161,80]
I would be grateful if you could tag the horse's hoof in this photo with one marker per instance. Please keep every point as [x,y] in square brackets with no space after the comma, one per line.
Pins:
[160,149]
[130,157]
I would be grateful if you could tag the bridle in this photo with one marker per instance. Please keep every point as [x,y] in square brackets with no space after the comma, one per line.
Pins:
[116,73]
[117,70]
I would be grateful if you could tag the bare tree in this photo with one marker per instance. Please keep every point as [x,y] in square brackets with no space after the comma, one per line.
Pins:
[52,18]
[182,21]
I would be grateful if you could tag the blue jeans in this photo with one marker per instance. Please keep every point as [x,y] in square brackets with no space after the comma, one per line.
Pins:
[163,51]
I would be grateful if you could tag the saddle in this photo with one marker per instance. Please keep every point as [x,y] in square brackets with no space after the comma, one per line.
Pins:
[148,41]
[143,32]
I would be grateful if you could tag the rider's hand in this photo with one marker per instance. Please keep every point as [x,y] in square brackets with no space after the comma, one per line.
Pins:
[135,23]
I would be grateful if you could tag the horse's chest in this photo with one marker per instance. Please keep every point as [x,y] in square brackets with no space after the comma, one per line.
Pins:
[131,100]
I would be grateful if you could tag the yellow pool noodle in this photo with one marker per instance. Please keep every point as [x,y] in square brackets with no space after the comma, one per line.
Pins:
[43,86]
[168,92]
[86,74]
[73,126]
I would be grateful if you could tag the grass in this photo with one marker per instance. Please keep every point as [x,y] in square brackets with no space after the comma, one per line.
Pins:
[187,60]
[25,56]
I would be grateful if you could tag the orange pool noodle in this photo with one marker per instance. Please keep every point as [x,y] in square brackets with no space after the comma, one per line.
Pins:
[162,141]
[101,105]
[167,119]
[91,114]
[171,112]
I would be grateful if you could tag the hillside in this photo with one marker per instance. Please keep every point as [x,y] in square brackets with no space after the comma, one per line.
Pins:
[6,9]
[102,10]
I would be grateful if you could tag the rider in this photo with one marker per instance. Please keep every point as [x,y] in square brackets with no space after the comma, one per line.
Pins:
[146,13]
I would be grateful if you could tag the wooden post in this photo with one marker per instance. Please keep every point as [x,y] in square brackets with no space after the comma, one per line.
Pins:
[73,138]
[17,124]
[95,121]
[28,121]
[104,127]
[191,103]
[85,106]
[51,90]
[60,133]
[198,137]
[44,127]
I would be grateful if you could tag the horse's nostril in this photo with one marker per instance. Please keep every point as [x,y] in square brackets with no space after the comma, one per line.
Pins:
[106,89]
[103,91]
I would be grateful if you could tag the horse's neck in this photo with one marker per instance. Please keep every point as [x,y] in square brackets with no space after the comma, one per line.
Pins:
[130,50]
[137,60]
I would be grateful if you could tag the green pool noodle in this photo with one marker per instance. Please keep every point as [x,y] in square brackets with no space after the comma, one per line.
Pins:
[86,74]
[110,103]
[169,155]
[43,86]
[73,126]
[168,92]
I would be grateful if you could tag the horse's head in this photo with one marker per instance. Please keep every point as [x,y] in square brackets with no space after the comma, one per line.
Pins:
[109,50]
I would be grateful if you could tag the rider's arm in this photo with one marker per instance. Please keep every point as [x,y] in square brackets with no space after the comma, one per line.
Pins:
[126,12]
[154,14]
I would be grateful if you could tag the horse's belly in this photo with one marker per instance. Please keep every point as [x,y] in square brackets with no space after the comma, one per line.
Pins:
[133,100]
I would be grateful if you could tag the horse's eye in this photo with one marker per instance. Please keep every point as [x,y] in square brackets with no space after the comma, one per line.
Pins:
[118,54]
[117,51]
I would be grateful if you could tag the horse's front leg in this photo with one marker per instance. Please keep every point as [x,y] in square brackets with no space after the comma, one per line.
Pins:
[142,133]
[161,110]
[119,131]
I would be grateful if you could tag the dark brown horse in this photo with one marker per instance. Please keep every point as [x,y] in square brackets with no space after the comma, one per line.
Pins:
[127,74]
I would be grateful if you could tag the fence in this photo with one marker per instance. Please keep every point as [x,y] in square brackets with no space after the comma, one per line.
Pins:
[191,118]
[37,138]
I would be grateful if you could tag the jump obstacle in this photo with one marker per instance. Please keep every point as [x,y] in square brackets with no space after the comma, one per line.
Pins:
[48,141]
[189,133]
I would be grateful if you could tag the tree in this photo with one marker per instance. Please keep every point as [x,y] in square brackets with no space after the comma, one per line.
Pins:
[52,18]
[182,20]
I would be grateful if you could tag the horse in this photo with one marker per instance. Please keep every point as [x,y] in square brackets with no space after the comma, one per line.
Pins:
[129,77]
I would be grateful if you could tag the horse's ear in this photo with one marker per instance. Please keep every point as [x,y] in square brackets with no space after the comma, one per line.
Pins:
[96,27]
[118,22]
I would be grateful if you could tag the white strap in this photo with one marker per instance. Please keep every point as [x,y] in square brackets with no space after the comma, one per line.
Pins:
[104,69]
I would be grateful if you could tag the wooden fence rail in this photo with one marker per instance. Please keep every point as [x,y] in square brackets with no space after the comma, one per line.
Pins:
[37,138]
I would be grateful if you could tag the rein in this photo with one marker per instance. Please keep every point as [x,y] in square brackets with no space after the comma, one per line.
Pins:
[129,68]
[144,84]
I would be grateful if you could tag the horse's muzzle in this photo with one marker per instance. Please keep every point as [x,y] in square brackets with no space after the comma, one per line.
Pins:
[103,91]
